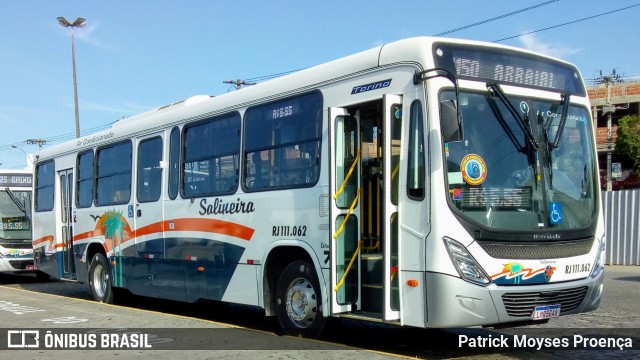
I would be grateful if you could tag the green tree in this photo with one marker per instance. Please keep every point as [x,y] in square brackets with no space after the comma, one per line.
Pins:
[628,142]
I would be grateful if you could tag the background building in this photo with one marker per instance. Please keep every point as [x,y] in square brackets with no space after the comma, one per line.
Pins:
[624,100]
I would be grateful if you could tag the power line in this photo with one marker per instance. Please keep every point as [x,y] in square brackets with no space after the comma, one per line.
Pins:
[495,18]
[250,81]
[625,78]
[56,138]
[266,77]
[567,23]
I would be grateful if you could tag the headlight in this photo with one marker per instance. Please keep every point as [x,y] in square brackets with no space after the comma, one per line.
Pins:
[465,264]
[598,265]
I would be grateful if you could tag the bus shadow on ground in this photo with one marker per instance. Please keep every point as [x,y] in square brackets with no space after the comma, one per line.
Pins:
[20,278]
[340,333]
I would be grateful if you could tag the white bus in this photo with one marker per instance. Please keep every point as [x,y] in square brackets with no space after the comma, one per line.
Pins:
[426,182]
[16,251]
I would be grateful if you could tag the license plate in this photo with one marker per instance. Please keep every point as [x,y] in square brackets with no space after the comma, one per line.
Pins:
[545,312]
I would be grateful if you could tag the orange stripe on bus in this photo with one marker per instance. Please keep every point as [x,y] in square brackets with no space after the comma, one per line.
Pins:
[48,238]
[210,225]
[149,229]
[188,224]
[195,224]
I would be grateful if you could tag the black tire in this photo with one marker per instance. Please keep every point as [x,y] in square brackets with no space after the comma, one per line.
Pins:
[100,279]
[298,301]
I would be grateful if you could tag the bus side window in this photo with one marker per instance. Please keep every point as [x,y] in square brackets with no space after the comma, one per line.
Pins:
[84,179]
[211,150]
[281,143]
[45,182]
[416,168]
[257,177]
[113,183]
[149,174]
[174,162]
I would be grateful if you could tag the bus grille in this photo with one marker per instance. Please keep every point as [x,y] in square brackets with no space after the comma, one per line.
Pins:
[16,244]
[523,251]
[522,304]
[20,264]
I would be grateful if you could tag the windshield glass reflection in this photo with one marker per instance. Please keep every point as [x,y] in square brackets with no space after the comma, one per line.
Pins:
[498,178]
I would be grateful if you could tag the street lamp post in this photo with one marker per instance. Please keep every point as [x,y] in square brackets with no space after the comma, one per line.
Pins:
[80,22]
[24,152]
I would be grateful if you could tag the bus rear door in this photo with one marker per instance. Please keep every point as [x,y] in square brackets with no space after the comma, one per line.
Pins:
[147,212]
[67,269]
[148,201]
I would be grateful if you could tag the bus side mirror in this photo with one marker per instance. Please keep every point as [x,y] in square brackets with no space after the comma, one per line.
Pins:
[451,123]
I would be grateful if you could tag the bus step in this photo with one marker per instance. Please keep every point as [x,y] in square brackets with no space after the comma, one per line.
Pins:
[372,269]
[363,315]
[372,298]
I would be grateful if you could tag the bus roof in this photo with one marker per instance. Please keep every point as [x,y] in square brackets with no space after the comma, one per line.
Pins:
[416,51]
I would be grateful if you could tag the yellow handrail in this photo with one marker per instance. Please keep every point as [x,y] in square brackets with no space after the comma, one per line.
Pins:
[346,272]
[395,172]
[353,166]
[344,222]
[353,205]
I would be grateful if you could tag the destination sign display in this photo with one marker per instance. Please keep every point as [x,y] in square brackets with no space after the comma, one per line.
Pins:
[15,180]
[508,67]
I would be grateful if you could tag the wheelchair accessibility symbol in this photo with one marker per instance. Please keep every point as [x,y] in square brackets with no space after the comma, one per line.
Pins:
[555,213]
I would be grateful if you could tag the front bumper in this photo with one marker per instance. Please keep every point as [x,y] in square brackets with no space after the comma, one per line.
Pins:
[458,303]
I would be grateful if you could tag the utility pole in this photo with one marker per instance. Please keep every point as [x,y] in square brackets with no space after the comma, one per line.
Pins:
[608,109]
[38,142]
[239,83]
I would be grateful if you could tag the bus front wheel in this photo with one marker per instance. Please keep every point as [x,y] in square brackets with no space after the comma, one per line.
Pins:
[298,301]
[100,279]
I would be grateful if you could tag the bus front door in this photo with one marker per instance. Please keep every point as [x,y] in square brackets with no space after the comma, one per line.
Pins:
[345,212]
[66,266]
[380,130]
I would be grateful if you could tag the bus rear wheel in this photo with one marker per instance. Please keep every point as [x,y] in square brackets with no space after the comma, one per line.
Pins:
[298,301]
[100,279]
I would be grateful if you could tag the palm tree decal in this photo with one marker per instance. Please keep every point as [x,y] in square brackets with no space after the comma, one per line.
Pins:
[114,226]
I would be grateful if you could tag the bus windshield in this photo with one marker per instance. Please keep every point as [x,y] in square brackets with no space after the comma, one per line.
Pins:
[507,175]
[14,208]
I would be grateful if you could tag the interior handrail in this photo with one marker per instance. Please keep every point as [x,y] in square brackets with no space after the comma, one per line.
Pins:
[353,205]
[353,166]
[346,272]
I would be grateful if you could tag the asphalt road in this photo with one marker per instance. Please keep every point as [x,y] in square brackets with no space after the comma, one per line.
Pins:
[244,332]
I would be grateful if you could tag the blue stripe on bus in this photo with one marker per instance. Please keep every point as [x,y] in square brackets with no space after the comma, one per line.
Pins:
[174,274]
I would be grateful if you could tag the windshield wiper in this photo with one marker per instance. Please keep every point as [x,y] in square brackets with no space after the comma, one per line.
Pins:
[507,129]
[15,200]
[495,89]
[563,119]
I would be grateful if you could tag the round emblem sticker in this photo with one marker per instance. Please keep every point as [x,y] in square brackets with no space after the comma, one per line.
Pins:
[474,170]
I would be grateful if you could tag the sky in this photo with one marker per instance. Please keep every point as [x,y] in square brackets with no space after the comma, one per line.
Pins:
[136,55]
